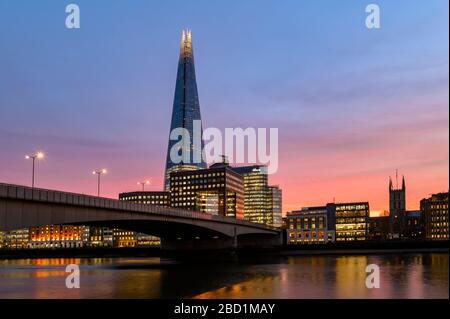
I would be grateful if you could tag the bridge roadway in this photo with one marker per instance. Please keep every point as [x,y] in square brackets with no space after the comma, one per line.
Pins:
[23,207]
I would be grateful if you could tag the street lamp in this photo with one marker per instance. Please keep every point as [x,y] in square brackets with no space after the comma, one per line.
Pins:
[98,173]
[143,184]
[38,155]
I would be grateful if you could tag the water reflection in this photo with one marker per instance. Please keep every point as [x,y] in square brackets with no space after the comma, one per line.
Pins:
[401,276]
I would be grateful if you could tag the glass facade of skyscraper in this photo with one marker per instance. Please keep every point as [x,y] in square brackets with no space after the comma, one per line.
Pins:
[275,205]
[257,202]
[262,202]
[186,110]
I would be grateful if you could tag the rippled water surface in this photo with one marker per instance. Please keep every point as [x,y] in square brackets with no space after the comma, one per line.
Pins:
[401,276]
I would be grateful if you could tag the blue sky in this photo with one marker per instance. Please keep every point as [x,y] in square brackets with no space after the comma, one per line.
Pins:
[339,93]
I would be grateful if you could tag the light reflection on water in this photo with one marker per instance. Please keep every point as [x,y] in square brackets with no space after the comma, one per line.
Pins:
[402,276]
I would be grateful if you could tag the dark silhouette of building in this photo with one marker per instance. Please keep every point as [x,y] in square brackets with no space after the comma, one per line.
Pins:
[397,208]
[413,225]
[379,228]
[186,110]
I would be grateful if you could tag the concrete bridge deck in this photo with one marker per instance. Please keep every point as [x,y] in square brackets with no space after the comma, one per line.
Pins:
[22,207]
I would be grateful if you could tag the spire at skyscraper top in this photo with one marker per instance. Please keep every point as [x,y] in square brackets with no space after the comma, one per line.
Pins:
[186,43]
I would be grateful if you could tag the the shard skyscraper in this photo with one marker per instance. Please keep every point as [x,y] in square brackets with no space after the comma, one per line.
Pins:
[185,115]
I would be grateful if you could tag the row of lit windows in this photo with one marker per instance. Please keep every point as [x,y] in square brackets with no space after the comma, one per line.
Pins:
[146,197]
[350,220]
[312,234]
[351,213]
[351,226]
[175,178]
[444,236]
[351,207]
[175,189]
[198,181]
[440,207]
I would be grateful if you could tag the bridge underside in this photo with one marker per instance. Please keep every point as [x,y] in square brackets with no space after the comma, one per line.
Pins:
[176,233]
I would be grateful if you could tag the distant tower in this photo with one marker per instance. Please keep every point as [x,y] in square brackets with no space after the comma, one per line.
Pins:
[397,206]
[186,110]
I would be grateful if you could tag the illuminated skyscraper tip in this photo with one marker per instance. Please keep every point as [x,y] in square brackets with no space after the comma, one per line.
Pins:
[186,43]
[186,110]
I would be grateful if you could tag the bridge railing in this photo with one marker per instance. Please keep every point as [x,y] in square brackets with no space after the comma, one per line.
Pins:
[19,192]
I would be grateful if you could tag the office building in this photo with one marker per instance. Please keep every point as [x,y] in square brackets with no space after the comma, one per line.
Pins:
[100,237]
[124,238]
[350,219]
[217,190]
[186,110]
[435,215]
[262,203]
[275,206]
[17,239]
[257,202]
[310,225]
[55,236]
[144,240]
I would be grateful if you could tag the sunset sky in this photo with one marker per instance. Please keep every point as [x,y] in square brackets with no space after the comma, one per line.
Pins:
[352,105]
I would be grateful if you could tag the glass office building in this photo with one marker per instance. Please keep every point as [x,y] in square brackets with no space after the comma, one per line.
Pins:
[257,203]
[186,110]
[217,190]
[275,205]
[262,202]
[351,220]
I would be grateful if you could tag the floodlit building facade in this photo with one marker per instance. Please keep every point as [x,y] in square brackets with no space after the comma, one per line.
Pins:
[56,236]
[309,225]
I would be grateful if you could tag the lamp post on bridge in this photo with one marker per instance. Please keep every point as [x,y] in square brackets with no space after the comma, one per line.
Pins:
[143,184]
[38,155]
[99,173]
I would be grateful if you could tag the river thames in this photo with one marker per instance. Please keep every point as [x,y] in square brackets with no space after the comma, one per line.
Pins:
[415,275]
